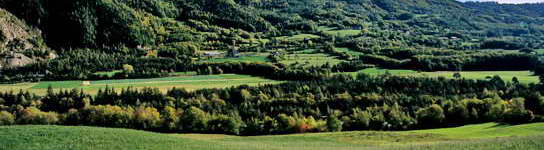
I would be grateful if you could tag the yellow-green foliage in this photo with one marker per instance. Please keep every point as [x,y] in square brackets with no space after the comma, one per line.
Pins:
[6,118]
[147,118]
[33,115]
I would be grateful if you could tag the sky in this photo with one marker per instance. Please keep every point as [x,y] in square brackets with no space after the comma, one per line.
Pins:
[509,1]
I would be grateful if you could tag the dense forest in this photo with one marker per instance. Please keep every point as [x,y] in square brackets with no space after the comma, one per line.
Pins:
[75,39]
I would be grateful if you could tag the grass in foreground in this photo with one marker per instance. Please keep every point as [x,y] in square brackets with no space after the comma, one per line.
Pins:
[189,82]
[488,136]
[523,76]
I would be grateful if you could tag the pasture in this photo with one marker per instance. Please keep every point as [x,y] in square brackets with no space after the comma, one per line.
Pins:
[243,57]
[339,32]
[488,136]
[317,59]
[191,82]
[523,76]
[254,58]
[348,51]
[298,37]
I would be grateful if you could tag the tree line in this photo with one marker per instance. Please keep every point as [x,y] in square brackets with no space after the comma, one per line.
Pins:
[338,103]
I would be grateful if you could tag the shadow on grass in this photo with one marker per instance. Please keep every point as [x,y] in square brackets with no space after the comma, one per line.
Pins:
[500,125]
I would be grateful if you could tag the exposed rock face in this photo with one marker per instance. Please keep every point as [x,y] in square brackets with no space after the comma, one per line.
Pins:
[12,60]
[16,37]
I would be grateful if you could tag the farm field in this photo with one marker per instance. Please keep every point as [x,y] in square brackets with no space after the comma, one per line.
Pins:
[488,136]
[336,32]
[342,33]
[189,82]
[244,57]
[310,59]
[239,59]
[298,37]
[523,76]
[348,51]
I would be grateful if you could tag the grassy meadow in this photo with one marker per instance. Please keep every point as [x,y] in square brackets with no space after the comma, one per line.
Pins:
[523,76]
[339,32]
[316,59]
[348,51]
[488,136]
[191,82]
[244,57]
[298,37]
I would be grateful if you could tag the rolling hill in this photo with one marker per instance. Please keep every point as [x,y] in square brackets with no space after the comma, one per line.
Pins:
[481,136]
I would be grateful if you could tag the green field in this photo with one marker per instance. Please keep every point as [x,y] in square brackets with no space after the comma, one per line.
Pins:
[337,32]
[540,51]
[298,37]
[310,59]
[107,73]
[189,82]
[239,59]
[348,51]
[244,57]
[488,136]
[342,33]
[523,76]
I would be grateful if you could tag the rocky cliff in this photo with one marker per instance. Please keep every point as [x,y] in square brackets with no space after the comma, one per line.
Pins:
[16,38]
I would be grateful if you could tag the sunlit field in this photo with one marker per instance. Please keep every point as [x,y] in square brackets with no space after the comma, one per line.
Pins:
[163,84]
[523,76]
[488,136]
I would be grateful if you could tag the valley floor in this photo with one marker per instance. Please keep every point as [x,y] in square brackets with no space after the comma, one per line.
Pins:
[523,76]
[189,82]
[488,136]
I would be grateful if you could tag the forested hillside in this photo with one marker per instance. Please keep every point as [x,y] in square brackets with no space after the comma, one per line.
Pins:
[168,35]
[79,23]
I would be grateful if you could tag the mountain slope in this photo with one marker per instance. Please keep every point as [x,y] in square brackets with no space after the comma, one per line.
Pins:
[15,35]
[20,44]
[79,23]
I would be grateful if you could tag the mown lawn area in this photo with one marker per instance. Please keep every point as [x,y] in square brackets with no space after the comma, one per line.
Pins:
[488,136]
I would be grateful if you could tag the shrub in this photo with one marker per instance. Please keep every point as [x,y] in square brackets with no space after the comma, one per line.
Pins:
[72,117]
[106,115]
[33,115]
[170,118]
[225,124]
[361,119]
[334,124]
[458,114]
[6,118]
[147,118]
[516,112]
[194,120]
[431,116]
